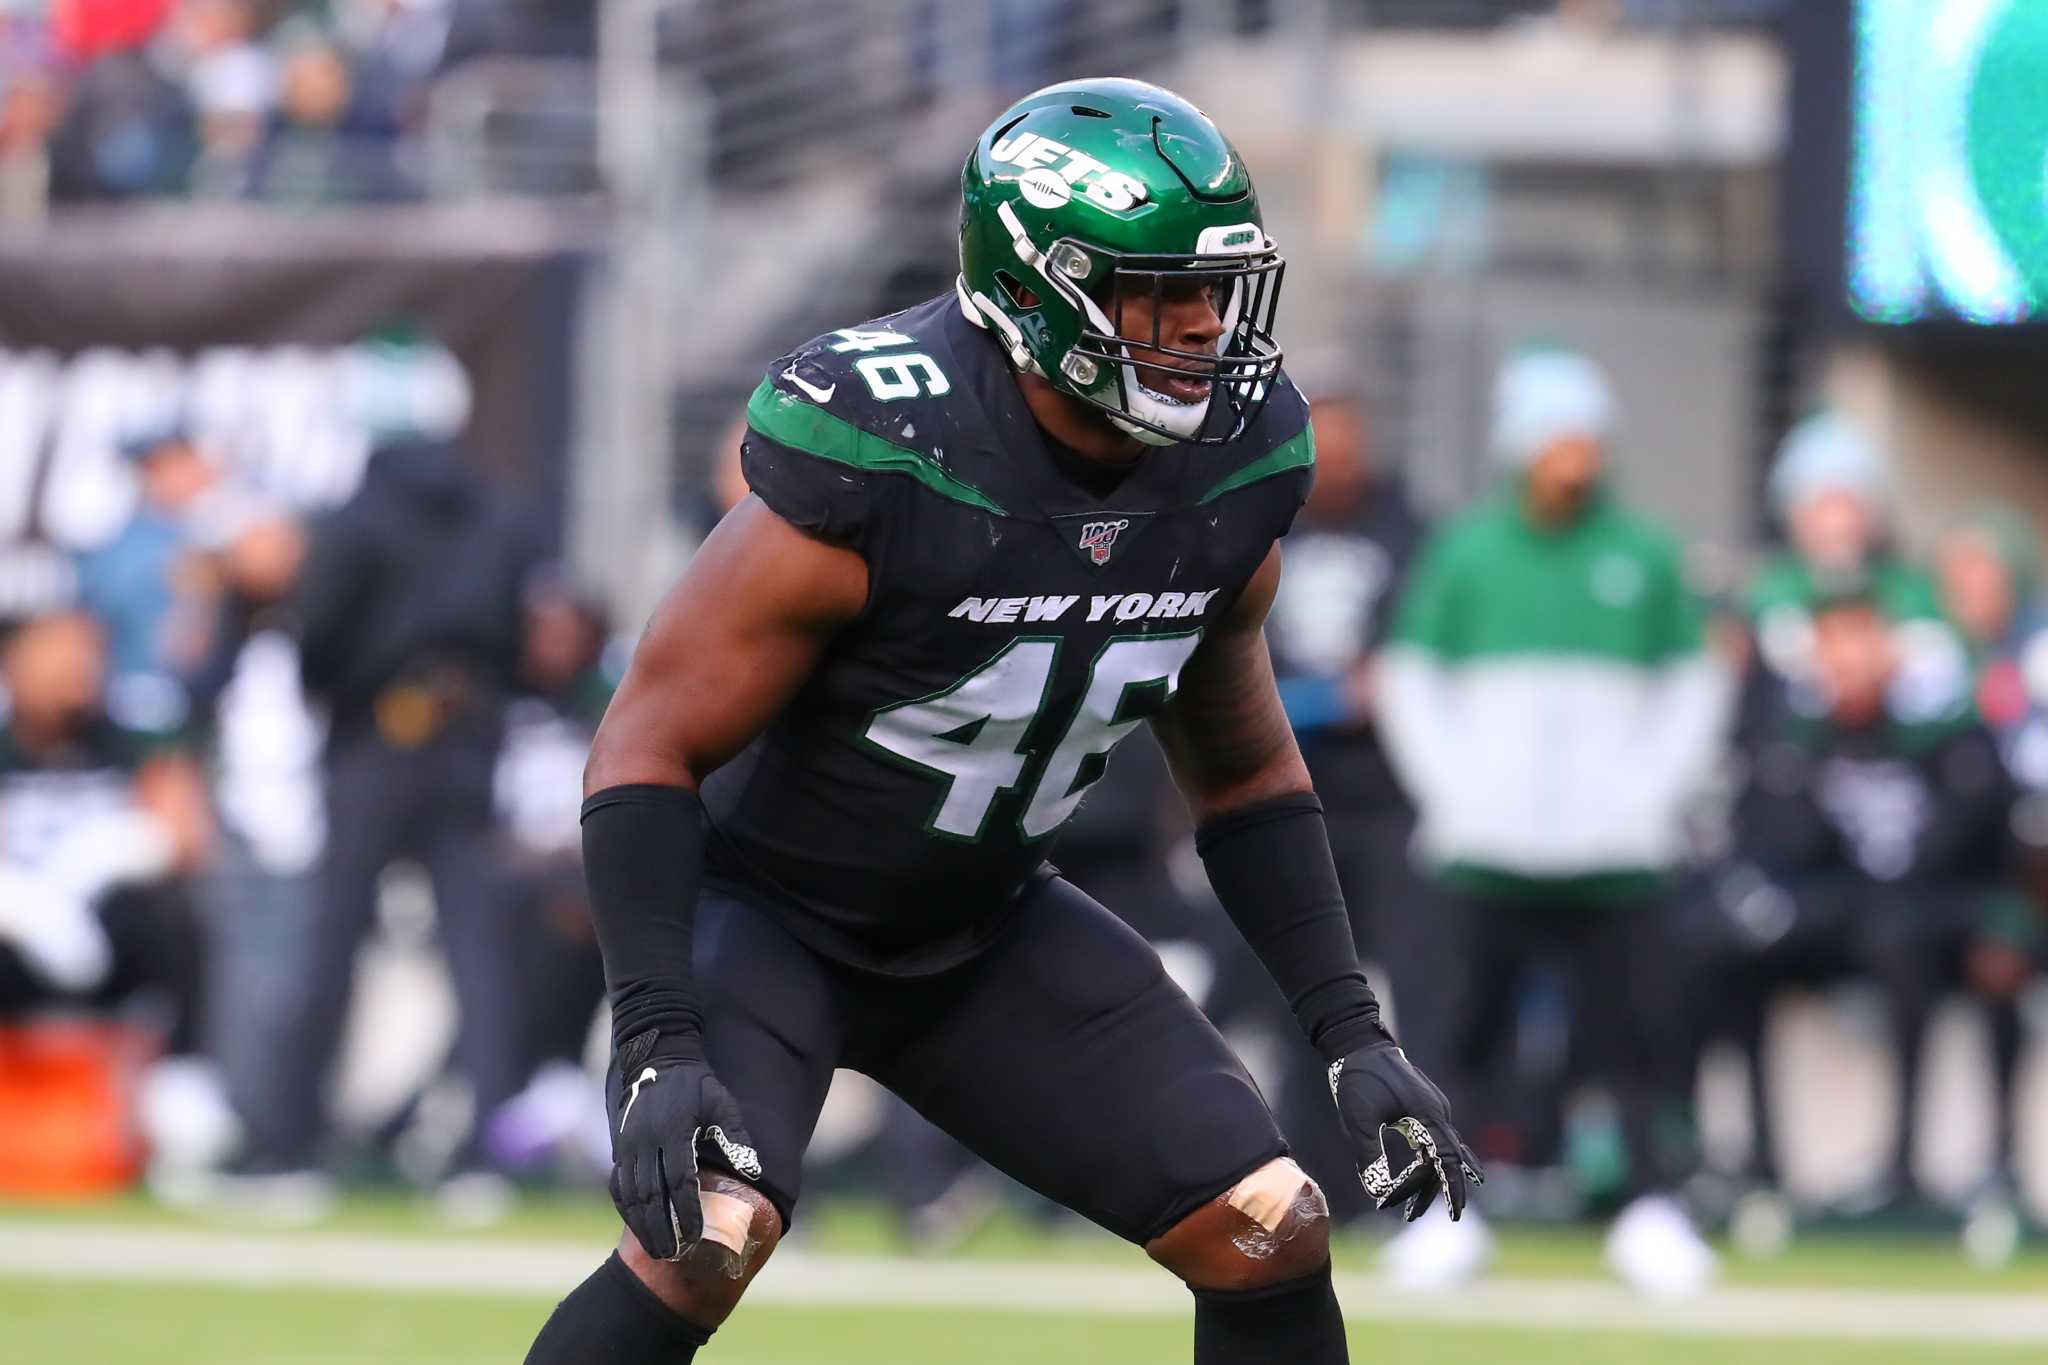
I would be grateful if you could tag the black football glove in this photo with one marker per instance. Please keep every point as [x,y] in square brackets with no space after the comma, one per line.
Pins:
[663,1101]
[1377,1087]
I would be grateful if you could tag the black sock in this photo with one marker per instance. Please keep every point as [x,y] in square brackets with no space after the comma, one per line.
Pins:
[1296,1322]
[613,1319]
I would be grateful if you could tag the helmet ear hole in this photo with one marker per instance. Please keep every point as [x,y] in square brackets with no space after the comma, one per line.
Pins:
[1019,296]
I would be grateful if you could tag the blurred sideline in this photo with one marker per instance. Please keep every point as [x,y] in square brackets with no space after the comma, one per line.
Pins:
[42,1250]
[1828,1056]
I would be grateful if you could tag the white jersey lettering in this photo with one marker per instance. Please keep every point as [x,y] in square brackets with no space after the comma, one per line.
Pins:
[1134,606]
[1048,608]
[973,608]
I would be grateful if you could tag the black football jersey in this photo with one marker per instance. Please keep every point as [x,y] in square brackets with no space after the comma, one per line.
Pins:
[1017,627]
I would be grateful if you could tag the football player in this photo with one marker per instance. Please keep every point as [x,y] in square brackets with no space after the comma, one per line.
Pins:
[987,538]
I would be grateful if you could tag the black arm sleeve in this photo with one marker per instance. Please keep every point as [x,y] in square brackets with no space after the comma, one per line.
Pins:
[643,856]
[1270,865]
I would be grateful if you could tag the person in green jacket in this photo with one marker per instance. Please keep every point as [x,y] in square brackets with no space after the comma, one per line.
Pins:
[1830,494]
[1549,702]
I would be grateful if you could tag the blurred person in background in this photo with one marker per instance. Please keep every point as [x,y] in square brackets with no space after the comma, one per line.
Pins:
[198,571]
[148,584]
[323,146]
[260,743]
[1548,702]
[230,77]
[1989,569]
[31,110]
[1346,561]
[396,47]
[567,674]
[128,125]
[1830,495]
[1870,840]
[102,816]
[409,612]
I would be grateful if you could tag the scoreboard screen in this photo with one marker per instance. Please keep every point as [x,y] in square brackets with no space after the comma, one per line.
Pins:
[1948,162]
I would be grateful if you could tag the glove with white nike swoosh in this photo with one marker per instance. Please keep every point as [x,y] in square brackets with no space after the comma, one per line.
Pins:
[1376,1087]
[663,1101]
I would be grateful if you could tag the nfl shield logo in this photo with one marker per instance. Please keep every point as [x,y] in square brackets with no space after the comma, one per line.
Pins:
[1099,537]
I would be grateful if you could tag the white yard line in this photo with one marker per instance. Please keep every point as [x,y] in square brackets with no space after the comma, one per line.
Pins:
[59,1251]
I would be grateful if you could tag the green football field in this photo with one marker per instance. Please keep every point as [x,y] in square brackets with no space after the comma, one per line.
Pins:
[131,1282]
[179,1326]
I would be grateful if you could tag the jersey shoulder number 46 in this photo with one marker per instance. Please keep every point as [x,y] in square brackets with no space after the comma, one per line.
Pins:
[889,372]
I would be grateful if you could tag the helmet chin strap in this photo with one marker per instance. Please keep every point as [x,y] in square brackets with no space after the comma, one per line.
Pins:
[1180,420]
[983,312]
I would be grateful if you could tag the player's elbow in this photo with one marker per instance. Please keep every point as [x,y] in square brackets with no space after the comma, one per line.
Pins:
[1286,775]
[621,754]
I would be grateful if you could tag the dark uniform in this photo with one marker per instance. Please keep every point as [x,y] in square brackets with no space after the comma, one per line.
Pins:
[877,892]
[53,808]
[1870,852]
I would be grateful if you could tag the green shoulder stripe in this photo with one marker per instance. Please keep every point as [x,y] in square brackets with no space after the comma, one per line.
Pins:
[803,426]
[1298,452]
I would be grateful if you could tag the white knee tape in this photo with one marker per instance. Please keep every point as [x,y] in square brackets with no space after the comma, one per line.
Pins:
[728,1221]
[1274,1191]
[727,1247]
[1281,1201]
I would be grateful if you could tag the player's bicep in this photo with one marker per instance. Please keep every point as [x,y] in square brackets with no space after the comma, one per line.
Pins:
[729,645]
[1225,732]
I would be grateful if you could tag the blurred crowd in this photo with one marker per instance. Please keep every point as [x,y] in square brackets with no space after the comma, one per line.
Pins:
[1593,823]
[223,729]
[310,102]
[283,101]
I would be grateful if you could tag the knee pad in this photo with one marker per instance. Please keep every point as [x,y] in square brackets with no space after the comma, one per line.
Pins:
[1285,1212]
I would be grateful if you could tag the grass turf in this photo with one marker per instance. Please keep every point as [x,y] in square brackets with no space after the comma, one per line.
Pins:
[64,1324]
[1830,1259]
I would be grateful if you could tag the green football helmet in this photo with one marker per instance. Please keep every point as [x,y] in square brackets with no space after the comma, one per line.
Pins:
[1090,192]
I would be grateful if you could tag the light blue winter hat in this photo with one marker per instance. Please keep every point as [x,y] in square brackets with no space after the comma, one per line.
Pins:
[1545,394]
[1826,451]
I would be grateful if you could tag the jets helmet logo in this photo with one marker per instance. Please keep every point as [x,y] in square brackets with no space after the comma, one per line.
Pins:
[1098,537]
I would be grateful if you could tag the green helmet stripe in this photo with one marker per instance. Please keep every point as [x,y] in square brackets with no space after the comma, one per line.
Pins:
[803,426]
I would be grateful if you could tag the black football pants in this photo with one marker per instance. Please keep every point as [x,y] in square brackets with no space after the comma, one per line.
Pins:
[1062,1055]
